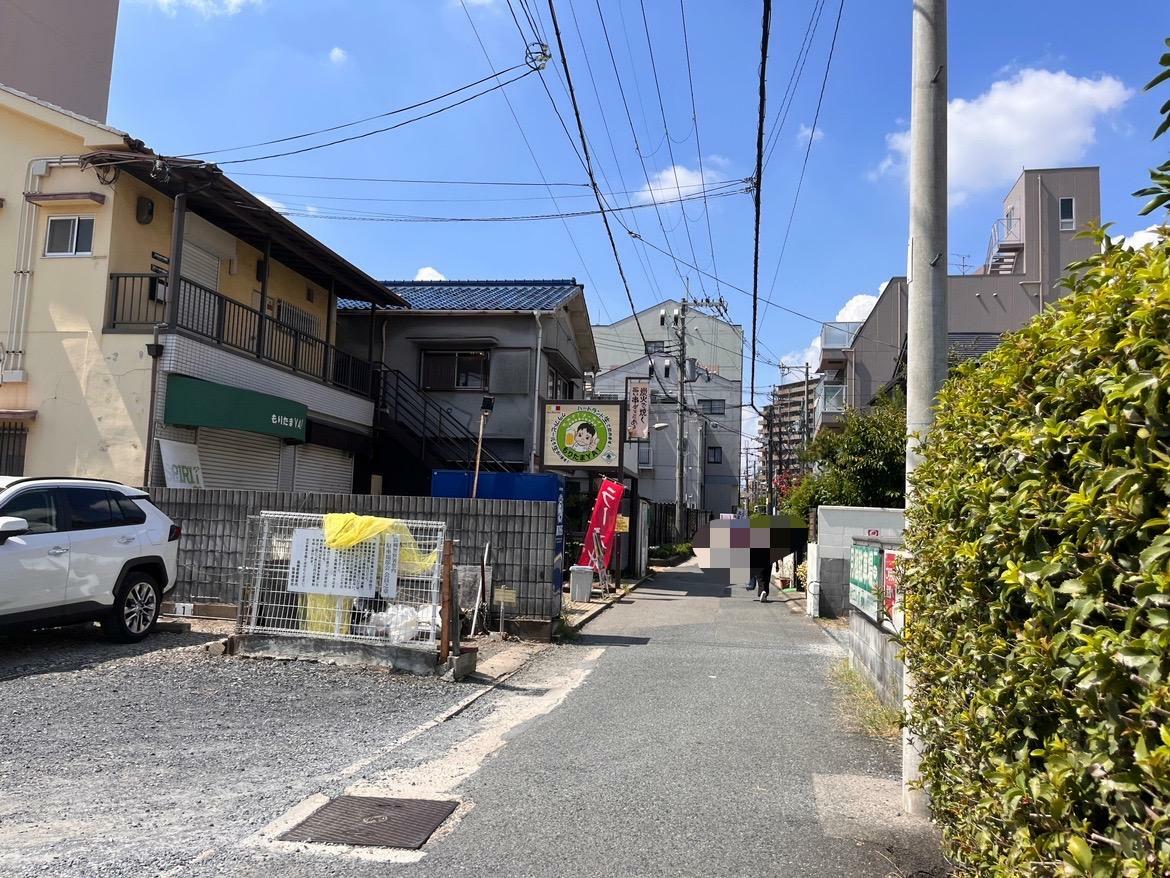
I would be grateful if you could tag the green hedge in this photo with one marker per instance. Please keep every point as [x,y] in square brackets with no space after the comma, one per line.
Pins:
[1038,596]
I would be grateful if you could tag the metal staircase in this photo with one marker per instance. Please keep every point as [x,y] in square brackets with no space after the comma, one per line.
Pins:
[1004,247]
[421,426]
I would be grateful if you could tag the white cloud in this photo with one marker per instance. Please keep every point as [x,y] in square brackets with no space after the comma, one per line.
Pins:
[273,203]
[665,185]
[855,310]
[338,55]
[428,273]
[1141,238]
[1036,118]
[206,8]
[805,133]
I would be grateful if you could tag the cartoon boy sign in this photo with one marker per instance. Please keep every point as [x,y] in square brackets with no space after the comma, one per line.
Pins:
[581,435]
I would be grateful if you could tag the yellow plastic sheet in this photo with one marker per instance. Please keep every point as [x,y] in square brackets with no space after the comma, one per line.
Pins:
[326,613]
[343,530]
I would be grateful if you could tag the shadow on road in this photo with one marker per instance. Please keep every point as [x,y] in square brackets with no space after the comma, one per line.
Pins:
[612,640]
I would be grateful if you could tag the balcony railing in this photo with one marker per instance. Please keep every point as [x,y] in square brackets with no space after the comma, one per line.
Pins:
[837,336]
[138,302]
[830,404]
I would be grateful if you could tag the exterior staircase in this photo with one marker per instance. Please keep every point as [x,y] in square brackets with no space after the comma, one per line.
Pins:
[418,434]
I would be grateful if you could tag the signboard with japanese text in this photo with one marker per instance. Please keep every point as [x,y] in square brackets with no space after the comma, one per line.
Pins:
[603,522]
[637,410]
[865,578]
[890,598]
[583,435]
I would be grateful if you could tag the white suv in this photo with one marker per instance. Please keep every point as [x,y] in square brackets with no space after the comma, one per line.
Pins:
[79,550]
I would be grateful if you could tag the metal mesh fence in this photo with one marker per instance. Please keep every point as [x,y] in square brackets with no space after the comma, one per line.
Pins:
[385,589]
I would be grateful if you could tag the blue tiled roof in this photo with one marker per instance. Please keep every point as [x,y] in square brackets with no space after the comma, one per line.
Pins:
[477,295]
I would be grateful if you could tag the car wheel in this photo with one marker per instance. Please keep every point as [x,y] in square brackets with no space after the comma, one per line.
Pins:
[136,608]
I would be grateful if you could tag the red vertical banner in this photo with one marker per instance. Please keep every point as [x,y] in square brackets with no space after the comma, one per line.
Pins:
[602,522]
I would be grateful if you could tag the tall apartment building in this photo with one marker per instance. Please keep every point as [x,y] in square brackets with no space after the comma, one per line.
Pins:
[1029,247]
[60,51]
[786,425]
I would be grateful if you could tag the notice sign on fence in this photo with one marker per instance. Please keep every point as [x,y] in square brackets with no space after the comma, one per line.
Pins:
[865,579]
[314,568]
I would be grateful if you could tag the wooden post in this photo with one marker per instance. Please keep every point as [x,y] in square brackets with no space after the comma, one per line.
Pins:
[445,602]
[456,612]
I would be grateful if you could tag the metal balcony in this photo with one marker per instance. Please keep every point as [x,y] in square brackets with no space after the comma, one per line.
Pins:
[836,338]
[830,406]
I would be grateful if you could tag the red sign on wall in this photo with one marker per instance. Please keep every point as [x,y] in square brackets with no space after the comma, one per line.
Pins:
[890,581]
[603,522]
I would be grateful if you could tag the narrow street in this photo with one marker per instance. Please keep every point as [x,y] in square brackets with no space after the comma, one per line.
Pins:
[690,730]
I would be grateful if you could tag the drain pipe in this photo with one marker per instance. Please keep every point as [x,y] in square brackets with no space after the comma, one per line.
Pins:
[536,393]
[38,168]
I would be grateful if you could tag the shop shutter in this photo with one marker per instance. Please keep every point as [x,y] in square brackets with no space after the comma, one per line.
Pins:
[233,459]
[319,468]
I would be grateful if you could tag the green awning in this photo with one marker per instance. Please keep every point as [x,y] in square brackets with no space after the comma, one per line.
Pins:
[192,402]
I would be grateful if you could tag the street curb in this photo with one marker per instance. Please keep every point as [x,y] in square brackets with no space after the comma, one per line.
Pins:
[606,603]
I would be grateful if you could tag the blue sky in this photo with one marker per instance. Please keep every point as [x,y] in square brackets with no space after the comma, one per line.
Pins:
[1036,83]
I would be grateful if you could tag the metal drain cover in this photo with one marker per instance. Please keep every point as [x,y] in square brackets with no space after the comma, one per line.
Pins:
[373,821]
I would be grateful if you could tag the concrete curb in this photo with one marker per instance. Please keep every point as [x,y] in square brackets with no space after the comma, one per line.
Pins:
[607,602]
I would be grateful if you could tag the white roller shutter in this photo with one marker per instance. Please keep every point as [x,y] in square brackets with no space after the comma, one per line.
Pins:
[323,469]
[200,266]
[235,460]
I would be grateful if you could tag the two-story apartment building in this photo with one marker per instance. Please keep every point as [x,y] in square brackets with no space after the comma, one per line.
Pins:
[1029,248]
[454,342]
[154,299]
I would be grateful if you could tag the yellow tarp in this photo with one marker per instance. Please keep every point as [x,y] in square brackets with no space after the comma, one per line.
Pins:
[343,530]
[326,613]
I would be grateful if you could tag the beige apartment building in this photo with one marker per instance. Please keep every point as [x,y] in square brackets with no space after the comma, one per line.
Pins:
[158,300]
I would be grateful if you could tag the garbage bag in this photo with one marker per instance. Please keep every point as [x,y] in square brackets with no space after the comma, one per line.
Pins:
[346,529]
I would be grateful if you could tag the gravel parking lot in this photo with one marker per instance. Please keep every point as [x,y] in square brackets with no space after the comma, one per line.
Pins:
[132,760]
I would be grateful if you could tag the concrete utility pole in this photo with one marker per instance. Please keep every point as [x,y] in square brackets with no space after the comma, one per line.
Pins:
[926,324]
[680,463]
[804,415]
[768,470]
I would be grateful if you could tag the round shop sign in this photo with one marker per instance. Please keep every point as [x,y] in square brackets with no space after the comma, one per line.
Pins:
[584,436]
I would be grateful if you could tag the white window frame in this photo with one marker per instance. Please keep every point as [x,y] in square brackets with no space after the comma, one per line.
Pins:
[76,218]
[1072,223]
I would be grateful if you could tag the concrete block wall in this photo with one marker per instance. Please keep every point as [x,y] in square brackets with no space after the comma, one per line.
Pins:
[214,523]
[874,654]
[836,528]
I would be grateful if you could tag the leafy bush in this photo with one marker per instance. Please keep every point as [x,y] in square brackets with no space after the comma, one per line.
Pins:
[862,464]
[1038,596]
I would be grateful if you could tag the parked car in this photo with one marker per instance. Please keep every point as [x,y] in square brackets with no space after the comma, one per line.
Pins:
[81,550]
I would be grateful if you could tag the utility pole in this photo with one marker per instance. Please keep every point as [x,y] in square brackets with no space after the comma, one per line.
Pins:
[680,463]
[926,324]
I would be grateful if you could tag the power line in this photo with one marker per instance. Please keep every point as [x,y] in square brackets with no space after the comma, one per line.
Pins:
[808,150]
[794,78]
[552,11]
[682,8]
[543,183]
[395,112]
[774,304]
[759,177]
[304,149]
[633,130]
[666,127]
[535,160]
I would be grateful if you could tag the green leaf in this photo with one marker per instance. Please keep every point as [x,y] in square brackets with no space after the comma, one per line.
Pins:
[1081,853]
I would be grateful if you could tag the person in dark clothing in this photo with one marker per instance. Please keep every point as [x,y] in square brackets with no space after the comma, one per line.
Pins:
[763,583]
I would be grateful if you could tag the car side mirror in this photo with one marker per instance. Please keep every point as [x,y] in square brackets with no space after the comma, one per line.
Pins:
[11,526]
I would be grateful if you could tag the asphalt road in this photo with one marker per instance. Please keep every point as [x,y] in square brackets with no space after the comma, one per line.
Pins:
[689,731]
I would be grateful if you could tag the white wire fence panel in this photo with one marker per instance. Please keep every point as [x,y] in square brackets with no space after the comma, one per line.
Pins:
[385,589]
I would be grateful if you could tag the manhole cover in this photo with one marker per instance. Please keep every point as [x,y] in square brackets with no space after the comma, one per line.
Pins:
[373,821]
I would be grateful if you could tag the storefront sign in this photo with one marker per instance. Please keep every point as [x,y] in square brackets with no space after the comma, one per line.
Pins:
[890,597]
[181,467]
[195,403]
[637,410]
[582,435]
[623,524]
[865,578]
[603,522]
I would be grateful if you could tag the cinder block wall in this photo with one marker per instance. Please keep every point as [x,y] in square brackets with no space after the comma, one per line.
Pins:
[874,654]
[214,523]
